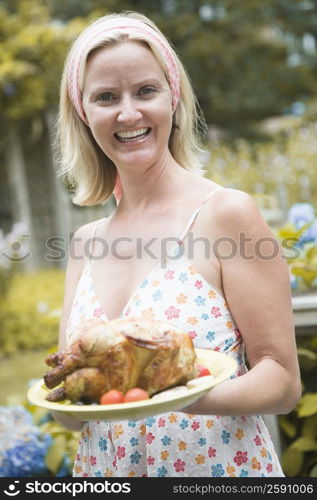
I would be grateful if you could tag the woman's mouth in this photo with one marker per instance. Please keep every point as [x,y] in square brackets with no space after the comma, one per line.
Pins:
[132,135]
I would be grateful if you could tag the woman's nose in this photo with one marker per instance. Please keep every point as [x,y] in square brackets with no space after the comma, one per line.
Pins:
[129,112]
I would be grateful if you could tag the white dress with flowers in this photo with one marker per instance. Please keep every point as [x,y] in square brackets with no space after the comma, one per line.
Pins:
[175,443]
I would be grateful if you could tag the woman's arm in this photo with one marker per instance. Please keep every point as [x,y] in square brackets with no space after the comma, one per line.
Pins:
[74,269]
[257,288]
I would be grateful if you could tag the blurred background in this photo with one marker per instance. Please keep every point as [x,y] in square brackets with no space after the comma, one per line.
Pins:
[253,66]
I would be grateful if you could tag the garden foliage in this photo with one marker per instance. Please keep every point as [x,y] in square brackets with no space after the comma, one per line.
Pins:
[30,311]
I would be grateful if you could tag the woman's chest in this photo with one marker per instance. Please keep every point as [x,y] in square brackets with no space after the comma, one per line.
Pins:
[148,273]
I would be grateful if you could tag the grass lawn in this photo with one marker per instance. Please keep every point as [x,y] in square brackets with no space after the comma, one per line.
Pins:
[16,372]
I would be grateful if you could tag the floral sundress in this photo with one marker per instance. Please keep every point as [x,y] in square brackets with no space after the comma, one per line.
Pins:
[175,443]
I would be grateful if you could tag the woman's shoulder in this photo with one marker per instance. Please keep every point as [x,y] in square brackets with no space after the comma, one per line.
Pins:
[82,238]
[87,230]
[234,210]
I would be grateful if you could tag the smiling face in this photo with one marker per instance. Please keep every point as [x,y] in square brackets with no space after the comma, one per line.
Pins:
[128,104]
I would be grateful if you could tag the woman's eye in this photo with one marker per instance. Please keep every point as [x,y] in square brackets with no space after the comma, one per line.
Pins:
[106,97]
[147,90]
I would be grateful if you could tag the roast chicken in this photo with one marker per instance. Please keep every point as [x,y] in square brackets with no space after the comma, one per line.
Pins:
[120,354]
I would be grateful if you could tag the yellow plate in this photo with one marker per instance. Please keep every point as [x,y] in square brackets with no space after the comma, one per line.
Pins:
[220,365]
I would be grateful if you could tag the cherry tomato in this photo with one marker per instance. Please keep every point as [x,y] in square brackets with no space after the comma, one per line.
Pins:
[135,394]
[112,397]
[203,371]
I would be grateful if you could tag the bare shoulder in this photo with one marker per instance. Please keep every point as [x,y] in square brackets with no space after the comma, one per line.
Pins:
[234,202]
[234,210]
[78,252]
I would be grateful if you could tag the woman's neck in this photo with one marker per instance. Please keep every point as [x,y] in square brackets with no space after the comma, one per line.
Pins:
[148,189]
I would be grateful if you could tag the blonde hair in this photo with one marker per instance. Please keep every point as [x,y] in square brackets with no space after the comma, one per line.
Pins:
[83,164]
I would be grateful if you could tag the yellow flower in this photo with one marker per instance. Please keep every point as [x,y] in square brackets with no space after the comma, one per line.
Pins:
[209,423]
[78,469]
[148,313]
[255,464]
[108,473]
[200,459]
[212,294]
[131,474]
[239,434]
[142,430]
[181,298]
[85,459]
[225,305]
[229,325]
[231,470]
[89,433]
[192,320]
[118,430]
[172,418]
[263,452]
[164,455]
[136,297]
[192,270]
[155,283]
[182,445]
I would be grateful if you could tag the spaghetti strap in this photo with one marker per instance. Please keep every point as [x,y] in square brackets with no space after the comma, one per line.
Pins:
[196,212]
[92,241]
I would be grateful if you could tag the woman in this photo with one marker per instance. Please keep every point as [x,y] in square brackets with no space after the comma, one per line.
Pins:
[127,123]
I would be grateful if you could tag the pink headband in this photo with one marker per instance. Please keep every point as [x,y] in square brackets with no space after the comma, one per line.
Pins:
[92,37]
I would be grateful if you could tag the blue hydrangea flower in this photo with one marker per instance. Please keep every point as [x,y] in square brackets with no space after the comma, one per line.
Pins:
[202,441]
[144,283]
[131,423]
[135,457]
[26,457]
[98,473]
[205,316]
[217,470]
[23,445]
[134,441]
[300,214]
[225,436]
[184,423]
[161,471]
[166,440]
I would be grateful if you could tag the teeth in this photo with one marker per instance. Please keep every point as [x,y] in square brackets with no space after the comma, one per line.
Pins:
[132,133]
